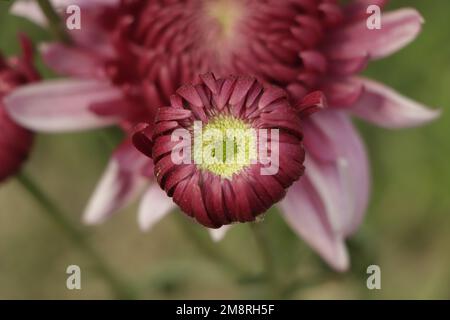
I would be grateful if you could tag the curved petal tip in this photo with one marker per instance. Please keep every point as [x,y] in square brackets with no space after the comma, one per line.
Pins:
[61,105]
[387,108]
[154,205]
[218,234]
[120,184]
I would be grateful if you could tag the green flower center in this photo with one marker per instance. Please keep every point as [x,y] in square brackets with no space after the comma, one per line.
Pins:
[225,146]
[227,13]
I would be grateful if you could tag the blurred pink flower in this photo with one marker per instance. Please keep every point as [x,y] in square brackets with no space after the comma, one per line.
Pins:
[130,56]
[15,141]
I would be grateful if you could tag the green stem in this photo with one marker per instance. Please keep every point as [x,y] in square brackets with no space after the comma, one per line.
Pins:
[77,236]
[268,259]
[209,250]
[312,281]
[57,28]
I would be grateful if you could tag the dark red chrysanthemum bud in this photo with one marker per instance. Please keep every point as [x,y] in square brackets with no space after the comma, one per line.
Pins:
[15,141]
[225,150]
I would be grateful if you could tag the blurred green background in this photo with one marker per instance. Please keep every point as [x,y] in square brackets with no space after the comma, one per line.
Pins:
[406,230]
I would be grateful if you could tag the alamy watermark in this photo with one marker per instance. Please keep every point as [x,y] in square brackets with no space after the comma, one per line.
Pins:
[73,281]
[374,20]
[73,21]
[374,280]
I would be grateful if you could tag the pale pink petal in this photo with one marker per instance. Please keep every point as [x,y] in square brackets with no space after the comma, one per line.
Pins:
[121,183]
[62,105]
[398,29]
[218,234]
[385,107]
[154,206]
[307,218]
[328,203]
[72,61]
[30,10]
[337,164]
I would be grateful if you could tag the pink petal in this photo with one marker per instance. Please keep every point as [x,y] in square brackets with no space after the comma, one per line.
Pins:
[218,234]
[329,202]
[72,61]
[338,159]
[342,91]
[154,206]
[305,216]
[348,65]
[399,28]
[311,103]
[62,105]
[385,107]
[30,10]
[120,183]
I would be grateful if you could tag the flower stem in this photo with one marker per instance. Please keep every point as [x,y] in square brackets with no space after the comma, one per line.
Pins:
[55,24]
[268,259]
[207,248]
[77,236]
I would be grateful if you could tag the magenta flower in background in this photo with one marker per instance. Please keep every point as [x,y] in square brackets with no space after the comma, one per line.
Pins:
[15,141]
[130,56]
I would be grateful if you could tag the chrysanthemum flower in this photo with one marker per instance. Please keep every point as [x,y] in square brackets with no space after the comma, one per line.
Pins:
[15,141]
[131,55]
[231,127]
